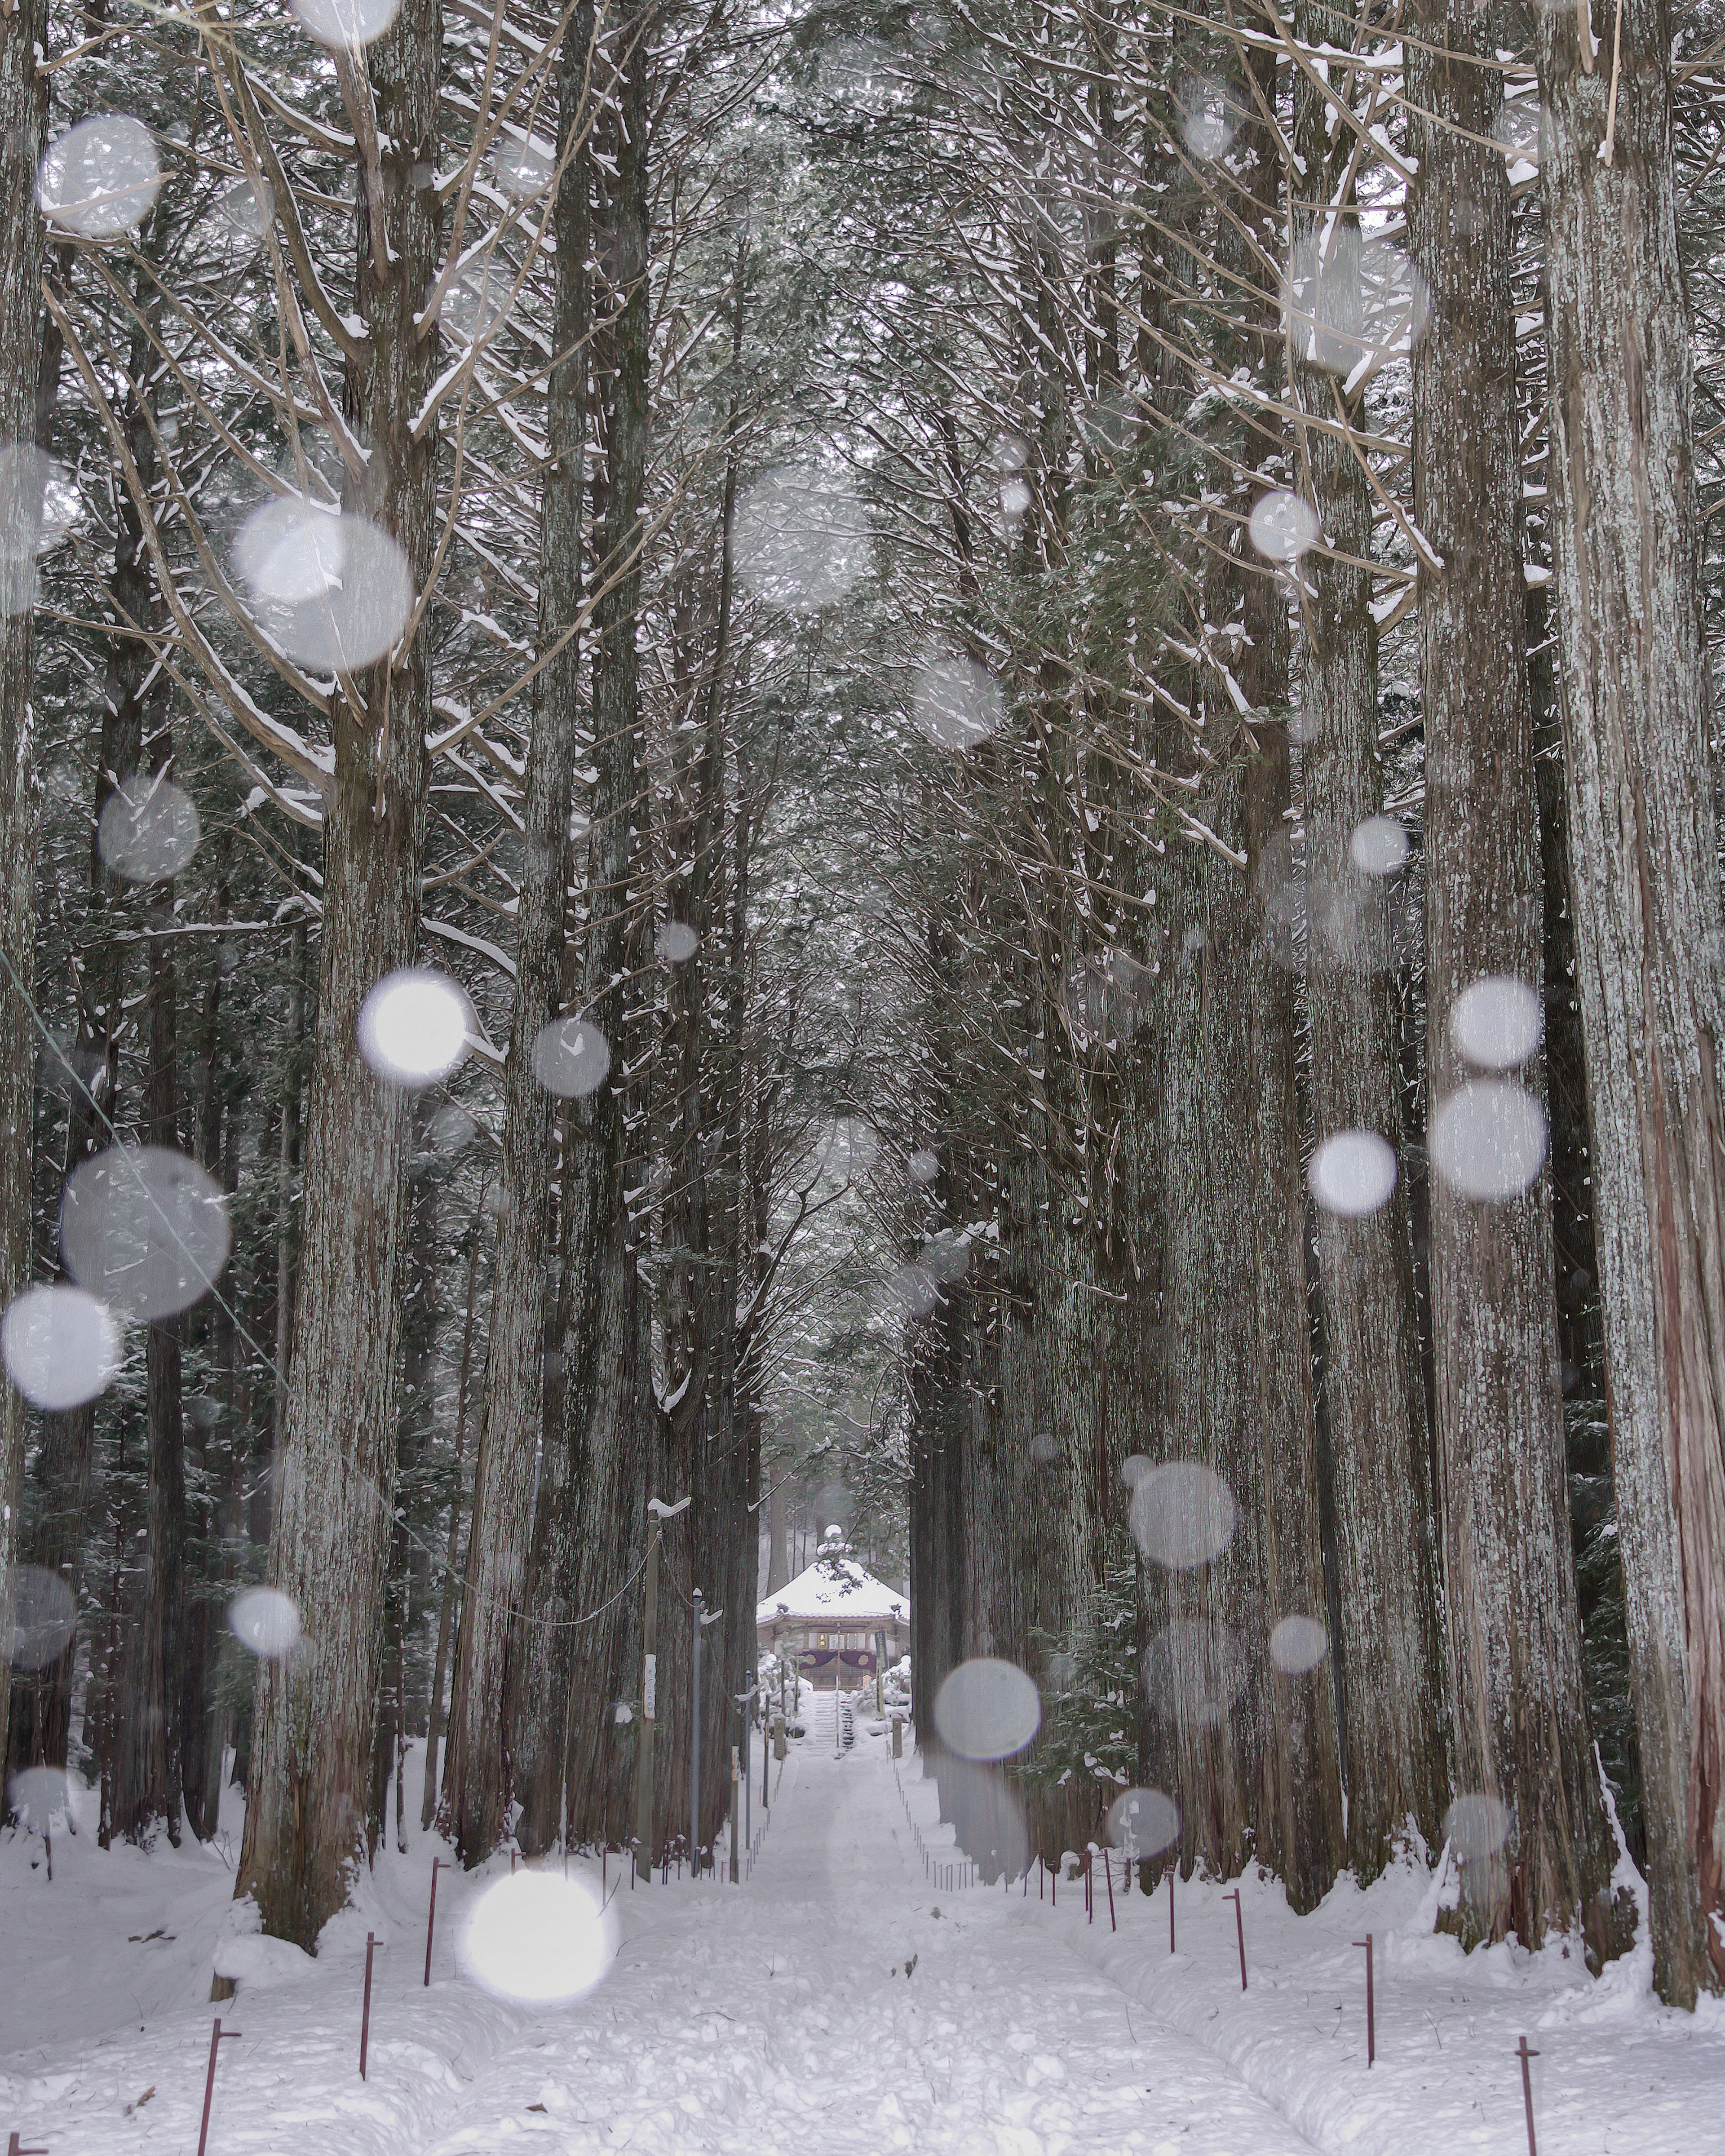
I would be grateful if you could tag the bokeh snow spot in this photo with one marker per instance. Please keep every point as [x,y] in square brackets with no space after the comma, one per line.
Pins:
[415,1026]
[986,1709]
[1182,1514]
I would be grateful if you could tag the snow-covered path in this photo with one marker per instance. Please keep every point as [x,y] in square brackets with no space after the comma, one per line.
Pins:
[778,2018]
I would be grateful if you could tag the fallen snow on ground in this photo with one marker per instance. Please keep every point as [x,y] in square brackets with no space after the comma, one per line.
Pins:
[777,2017]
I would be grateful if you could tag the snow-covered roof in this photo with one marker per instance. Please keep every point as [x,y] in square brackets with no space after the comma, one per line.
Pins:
[834,1591]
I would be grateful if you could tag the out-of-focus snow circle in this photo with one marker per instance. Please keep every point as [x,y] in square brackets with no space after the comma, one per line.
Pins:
[801,538]
[148,830]
[146,1228]
[572,1058]
[264,1620]
[924,1167]
[101,178]
[524,169]
[986,1709]
[1496,1022]
[849,1148]
[1297,1644]
[1143,1822]
[1353,1174]
[415,1026]
[1474,1826]
[1380,845]
[957,703]
[1488,1139]
[61,1345]
[538,1938]
[1283,526]
[676,942]
[331,590]
[1044,1448]
[1134,1468]
[1182,1514]
[346,25]
[39,1795]
[245,211]
[43,1612]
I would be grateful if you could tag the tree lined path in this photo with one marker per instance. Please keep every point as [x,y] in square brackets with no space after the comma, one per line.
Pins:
[776,2017]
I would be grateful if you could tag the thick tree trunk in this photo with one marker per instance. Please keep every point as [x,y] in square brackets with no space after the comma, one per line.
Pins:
[446,1599]
[591,1518]
[1650,933]
[147,1775]
[1391,1645]
[334,1478]
[478,1782]
[1520,1738]
[23,99]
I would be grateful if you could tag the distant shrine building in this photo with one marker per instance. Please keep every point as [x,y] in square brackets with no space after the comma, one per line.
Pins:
[828,1619]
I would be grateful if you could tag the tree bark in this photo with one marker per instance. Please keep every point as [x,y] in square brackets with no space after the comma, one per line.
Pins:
[334,1478]
[23,103]
[591,1518]
[478,1780]
[1649,934]
[1391,1645]
[1520,1738]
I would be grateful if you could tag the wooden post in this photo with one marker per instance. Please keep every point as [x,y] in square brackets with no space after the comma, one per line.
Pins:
[1239,1926]
[1523,2054]
[695,1745]
[431,1919]
[1371,2022]
[216,2036]
[733,1815]
[365,2018]
[649,1706]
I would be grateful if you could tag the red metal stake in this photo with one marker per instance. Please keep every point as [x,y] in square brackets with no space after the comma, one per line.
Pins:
[14,2147]
[365,2018]
[1523,2054]
[431,1919]
[1089,1890]
[1239,1926]
[1108,1874]
[216,2036]
[1171,1908]
[1371,2023]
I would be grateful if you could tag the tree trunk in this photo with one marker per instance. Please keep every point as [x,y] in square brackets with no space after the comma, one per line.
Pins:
[1391,1645]
[1520,1740]
[591,1518]
[147,1778]
[334,1481]
[446,1600]
[1650,936]
[510,1420]
[23,102]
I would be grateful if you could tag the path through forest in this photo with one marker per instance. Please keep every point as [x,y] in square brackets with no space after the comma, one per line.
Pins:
[776,2017]
[779,2017]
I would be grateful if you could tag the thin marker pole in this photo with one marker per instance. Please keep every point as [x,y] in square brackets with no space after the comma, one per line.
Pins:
[1371,2022]
[695,1751]
[1171,1908]
[15,2147]
[216,2036]
[1108,1873]
[1523,2054]
[365,2018]
[431,1919]
[1239,1926]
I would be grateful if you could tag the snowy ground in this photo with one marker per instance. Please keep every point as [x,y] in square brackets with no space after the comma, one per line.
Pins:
[777,2017]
